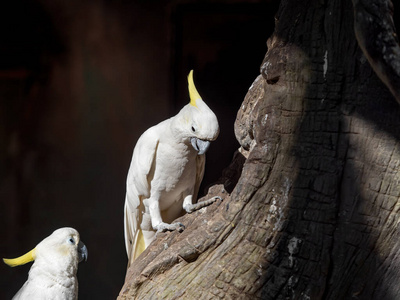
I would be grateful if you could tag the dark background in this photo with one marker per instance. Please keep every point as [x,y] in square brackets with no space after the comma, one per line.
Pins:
[79,82]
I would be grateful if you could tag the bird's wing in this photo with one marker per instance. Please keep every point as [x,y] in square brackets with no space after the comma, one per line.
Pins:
[141,164]
[200,163]
[138,188]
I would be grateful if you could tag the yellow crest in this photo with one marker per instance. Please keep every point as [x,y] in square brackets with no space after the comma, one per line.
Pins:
[193,93]
[24,259]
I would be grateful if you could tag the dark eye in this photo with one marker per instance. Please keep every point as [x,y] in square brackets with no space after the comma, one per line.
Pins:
[71,241]
[273,80]
[194,130]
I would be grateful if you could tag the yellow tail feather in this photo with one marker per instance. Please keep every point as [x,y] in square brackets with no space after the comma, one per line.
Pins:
[140,244]
[193,93]
[24,259]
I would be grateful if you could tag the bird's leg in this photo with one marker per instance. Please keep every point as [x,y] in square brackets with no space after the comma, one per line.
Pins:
[189,207]
[156,220]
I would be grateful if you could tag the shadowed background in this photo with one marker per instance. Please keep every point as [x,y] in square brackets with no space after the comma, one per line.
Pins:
[79,82]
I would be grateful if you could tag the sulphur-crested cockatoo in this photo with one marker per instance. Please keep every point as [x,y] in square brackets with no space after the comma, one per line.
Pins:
[53,273]
[166,170]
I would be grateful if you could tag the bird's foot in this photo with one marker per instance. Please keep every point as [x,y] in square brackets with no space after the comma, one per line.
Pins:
[162,227]
[193,207]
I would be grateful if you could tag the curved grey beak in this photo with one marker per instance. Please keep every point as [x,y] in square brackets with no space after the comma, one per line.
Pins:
[82,252]
[199,145]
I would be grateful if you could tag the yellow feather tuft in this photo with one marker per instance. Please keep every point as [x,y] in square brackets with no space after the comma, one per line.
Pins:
[24,259]
[193,93]
[140,245]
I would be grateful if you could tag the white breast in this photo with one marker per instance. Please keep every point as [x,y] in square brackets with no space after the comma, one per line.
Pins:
[174,174]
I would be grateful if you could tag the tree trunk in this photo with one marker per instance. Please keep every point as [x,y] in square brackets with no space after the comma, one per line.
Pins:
[310,201]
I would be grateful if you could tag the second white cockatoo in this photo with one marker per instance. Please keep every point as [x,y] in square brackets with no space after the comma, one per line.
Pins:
[53,273]
[166,170]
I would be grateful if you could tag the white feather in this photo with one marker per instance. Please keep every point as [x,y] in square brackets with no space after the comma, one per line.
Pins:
[53,273]
[165,170]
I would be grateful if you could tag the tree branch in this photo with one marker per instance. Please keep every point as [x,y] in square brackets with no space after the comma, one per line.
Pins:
[376,36]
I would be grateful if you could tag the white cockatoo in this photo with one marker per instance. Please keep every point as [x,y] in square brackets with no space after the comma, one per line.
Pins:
[53,273]
[166,170]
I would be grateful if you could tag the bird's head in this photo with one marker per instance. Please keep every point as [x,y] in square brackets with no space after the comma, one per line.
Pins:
[198,122]
[62,250]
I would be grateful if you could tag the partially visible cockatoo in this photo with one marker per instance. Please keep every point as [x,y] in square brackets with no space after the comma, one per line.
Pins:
[53,273]
[166,170]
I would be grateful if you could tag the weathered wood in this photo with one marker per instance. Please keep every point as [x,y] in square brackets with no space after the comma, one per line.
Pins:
[376,35]
[313,214]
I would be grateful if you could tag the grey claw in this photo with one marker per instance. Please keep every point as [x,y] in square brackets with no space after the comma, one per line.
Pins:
[170,227]
[181,227]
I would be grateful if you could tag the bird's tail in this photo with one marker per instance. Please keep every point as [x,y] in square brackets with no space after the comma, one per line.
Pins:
[140,244]
[134,239]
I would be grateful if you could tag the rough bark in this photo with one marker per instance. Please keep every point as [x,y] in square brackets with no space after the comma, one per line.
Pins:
[376,34]
[313,214]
